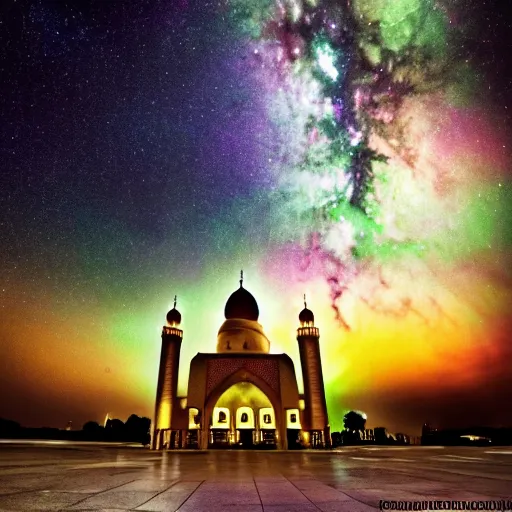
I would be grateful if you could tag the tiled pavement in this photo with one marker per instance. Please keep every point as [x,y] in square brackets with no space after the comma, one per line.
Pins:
[90,478]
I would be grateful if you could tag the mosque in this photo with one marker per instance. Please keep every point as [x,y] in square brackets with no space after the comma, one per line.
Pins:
[241,396]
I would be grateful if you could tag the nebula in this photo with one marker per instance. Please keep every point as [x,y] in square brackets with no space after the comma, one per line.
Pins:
[392,185]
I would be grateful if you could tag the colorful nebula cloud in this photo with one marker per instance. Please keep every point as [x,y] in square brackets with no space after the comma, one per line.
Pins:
[390,197]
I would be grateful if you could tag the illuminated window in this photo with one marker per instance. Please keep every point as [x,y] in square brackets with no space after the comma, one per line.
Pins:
[222,417]
[267,419]
[293,418]
[244,418]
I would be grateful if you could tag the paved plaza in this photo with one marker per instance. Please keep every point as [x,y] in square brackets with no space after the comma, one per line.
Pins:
[57,475]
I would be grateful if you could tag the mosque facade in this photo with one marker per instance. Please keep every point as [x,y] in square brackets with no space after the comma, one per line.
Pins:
[241,396]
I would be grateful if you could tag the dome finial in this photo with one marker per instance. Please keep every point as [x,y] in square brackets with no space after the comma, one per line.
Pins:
[174,316]
[306,317]
[241,304]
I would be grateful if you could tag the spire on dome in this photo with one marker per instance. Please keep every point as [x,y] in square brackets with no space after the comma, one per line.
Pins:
[241,304]
[174,316]
[306,317]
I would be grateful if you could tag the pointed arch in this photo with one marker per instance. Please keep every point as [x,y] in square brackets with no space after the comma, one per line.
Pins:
[244,375]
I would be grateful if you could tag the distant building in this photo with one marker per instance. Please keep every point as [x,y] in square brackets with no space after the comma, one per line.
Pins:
[336,439]
[241,395]
[368,434]
[426,429]
[381,435]
[427,434]
[402,438]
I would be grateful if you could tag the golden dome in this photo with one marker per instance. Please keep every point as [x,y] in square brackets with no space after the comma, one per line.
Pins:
[241,335]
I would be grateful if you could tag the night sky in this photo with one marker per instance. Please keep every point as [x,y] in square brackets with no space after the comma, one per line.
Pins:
[153,148]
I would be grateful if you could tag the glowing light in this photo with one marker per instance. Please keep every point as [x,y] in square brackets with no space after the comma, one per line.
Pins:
[326,60]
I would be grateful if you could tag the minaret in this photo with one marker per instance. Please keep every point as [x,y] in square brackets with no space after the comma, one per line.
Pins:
[167,379]
[315,410]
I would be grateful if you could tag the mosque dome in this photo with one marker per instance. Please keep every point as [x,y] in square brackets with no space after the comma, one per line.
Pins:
[174,316]
[241,331]
[241,305]
[237,335]
[306,316]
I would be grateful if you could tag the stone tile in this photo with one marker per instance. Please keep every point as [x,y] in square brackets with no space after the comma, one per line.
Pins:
[42,500]
[318,492]
[222,496]
[345,506]
[306,507]
[27,482]
[94,509]
[147,485]
[276,479]
[89,483]
[281,494]
[373,496]
[245,486]
[171,499]
[123,500]
[228,498]
[215,507]
[457,494]
[165,502]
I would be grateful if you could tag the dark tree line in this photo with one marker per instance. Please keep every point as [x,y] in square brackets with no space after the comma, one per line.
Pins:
[135,430]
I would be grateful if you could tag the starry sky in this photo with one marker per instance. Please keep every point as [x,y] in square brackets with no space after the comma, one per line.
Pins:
[154,148]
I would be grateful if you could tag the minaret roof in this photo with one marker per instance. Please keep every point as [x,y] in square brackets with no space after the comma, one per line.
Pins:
[174,316]
[306,315]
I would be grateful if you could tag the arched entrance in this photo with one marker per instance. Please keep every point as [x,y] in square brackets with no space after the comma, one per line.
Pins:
[243,417]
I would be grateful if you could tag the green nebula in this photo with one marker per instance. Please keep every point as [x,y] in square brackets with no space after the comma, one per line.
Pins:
[340,77]
[404,24]
[250,16]
[482,225]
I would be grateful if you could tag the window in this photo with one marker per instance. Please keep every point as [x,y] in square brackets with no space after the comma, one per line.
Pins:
[228,345]
[222,417]
[293,418]
[246,345]
[244,418]
[267,419]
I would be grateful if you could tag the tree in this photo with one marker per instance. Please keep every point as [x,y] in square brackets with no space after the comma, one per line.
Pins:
[91,426]
[114,430]
[354,421]
[9,428]
[137,429]
[92,431]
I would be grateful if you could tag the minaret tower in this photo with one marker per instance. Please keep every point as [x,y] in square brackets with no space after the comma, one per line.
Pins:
[315,419]
[167,379]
